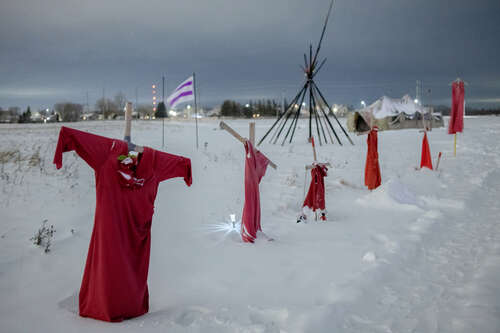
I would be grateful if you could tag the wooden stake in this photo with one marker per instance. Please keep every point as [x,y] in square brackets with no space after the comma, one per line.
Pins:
[439,159]
[231,131]
[241,139]
[311,140]
[455,145]
[308,167]
[128,121]
[128,127]
[251,130]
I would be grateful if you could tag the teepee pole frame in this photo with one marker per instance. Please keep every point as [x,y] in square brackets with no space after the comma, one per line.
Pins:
[317,102]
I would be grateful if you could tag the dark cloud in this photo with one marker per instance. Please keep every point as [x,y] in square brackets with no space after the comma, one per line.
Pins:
[57,50]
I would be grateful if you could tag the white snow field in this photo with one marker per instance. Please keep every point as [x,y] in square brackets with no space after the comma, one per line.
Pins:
[419,254]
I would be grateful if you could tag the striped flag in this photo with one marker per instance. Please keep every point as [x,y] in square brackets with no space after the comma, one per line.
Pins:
[183,93]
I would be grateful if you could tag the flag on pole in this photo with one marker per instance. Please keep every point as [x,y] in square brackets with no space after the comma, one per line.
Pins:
[183,93]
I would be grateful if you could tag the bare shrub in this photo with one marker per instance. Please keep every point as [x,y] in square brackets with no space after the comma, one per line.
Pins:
[44,236]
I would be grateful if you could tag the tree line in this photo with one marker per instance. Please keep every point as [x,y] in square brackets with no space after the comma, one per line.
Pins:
[106,108]
[261,108]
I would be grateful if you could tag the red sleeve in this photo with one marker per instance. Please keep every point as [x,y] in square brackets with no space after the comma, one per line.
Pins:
[169,166]
[94,149]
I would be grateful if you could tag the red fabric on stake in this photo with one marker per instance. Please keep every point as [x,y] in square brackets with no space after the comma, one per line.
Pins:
[457,108]
[114,285]
[255,168]
[315,198]
[426,160]
[372,169]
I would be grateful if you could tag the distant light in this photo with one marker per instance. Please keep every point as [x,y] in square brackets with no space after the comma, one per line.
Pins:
[154,91]
[172,113]
[335,109]
[189,107]
[154,86]
[154,102]
[247,105]
[304,104]
[154,97]
[47,109]
[363,103]
[416,101]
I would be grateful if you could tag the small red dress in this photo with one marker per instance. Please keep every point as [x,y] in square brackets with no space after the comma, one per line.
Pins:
[426,159]
[114,285]
[315,198]
[372,168]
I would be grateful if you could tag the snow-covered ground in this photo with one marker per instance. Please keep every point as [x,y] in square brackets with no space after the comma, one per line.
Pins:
[419,254]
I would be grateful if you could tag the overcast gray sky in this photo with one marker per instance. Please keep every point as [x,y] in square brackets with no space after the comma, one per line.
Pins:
[58,50]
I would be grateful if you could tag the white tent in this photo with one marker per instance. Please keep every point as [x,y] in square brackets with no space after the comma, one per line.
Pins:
[393,113]
[391,107]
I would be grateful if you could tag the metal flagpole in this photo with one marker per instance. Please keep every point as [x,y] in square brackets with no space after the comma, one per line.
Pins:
[195,109]
[163,116]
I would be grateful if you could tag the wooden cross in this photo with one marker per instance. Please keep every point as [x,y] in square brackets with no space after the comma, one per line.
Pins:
[315,163]
[238,137]
[128,129]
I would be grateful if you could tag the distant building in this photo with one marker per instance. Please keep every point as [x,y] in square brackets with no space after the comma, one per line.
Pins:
[9,116]
[340,110]
[89,116]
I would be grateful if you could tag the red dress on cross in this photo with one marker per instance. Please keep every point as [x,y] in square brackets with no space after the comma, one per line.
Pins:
[114,285]
[315,198]
[255,168]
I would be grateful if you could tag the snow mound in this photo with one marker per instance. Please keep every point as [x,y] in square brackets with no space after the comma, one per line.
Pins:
[391,195]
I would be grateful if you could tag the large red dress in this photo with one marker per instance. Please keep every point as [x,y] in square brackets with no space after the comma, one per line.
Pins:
[114,285]
[456,123]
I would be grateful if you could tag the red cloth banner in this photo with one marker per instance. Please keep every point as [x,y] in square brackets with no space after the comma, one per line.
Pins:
[315,198]
[457,108]
[114,285]
[255,168]
[426,160]
[372,168]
